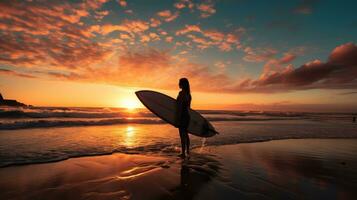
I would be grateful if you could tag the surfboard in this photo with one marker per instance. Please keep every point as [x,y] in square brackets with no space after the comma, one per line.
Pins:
[165,106]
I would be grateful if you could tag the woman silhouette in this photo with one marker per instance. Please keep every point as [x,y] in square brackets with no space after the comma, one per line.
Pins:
[183,115]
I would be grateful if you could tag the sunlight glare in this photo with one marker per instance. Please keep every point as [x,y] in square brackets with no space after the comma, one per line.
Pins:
[130,103]
[129,138]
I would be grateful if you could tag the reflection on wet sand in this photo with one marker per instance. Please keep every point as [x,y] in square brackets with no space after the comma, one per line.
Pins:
[288,169]
[117,176]
[196,171]
[293,169]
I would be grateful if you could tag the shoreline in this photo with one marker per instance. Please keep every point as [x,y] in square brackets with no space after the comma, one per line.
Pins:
[247,170]
[134,152]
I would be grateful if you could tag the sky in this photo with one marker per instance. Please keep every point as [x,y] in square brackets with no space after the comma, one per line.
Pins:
[297,55]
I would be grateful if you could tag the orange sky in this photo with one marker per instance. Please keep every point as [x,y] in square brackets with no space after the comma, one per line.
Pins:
[67,93]
[98,53]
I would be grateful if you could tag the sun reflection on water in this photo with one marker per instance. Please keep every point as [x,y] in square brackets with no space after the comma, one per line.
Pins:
[129,136]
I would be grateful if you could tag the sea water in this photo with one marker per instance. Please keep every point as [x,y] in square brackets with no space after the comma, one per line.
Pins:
[45,134]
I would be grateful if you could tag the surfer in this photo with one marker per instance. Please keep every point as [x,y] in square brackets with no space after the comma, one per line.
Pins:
[183,116]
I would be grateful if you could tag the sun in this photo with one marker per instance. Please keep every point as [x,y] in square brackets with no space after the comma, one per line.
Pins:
[130,103]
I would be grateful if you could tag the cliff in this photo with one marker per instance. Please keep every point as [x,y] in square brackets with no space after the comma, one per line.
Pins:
[10,102]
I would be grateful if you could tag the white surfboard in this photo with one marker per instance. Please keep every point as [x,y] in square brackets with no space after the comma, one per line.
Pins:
[164,107]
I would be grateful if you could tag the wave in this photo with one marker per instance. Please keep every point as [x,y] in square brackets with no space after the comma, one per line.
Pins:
[43,117]
[50,112]
[47,123]
[68,113]
[63,123]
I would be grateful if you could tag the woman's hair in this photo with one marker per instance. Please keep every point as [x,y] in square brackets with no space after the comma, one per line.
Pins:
[185,85]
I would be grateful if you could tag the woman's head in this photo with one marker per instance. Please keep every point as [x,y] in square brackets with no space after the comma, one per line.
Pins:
[184,84]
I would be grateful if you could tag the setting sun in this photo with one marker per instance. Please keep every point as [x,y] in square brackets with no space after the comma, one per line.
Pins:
[130,103]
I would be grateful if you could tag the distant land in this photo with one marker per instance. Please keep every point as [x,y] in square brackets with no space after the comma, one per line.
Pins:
[10,102]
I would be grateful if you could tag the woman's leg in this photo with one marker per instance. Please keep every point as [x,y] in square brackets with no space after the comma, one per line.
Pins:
[183,141]
[187,143]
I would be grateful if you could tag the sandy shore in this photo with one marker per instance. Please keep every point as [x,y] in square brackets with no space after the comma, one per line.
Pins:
[286,169]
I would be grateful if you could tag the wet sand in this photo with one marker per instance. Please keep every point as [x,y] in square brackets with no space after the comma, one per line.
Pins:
[284,169]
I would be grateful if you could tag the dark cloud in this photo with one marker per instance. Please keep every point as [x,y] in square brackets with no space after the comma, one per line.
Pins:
[339,72]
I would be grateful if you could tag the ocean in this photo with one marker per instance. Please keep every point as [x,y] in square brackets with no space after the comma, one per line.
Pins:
[47,134]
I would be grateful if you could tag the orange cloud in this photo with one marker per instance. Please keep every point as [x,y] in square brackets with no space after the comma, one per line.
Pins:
[179,5]
[207,9]
[37,35]
[101,14]
[146,68]
[129,26]
[169,39]
[184,4]
[167,15]
[122,3]
[188,29]
[154,22]
[274,64]
[211,38]
[258,54]
[14,73]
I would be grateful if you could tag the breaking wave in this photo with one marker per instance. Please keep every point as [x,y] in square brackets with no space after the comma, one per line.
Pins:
[44,117]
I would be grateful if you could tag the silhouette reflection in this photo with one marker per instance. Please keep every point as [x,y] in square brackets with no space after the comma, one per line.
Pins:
[196,172]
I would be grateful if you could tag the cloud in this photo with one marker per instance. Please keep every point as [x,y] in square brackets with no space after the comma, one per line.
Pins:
[65,76]
[274,64]
[209,38]
[129,26]
[34,34]
[167,15]
[222,65]
[57,40]
[129,11]
[179,5]
[225,46]
[154,22]
[101,14]
[14,73]
[188,29]
[207,9]
[145,68]
[338,72]
[122,3]
[184,4]
[169,39]
[258,54]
